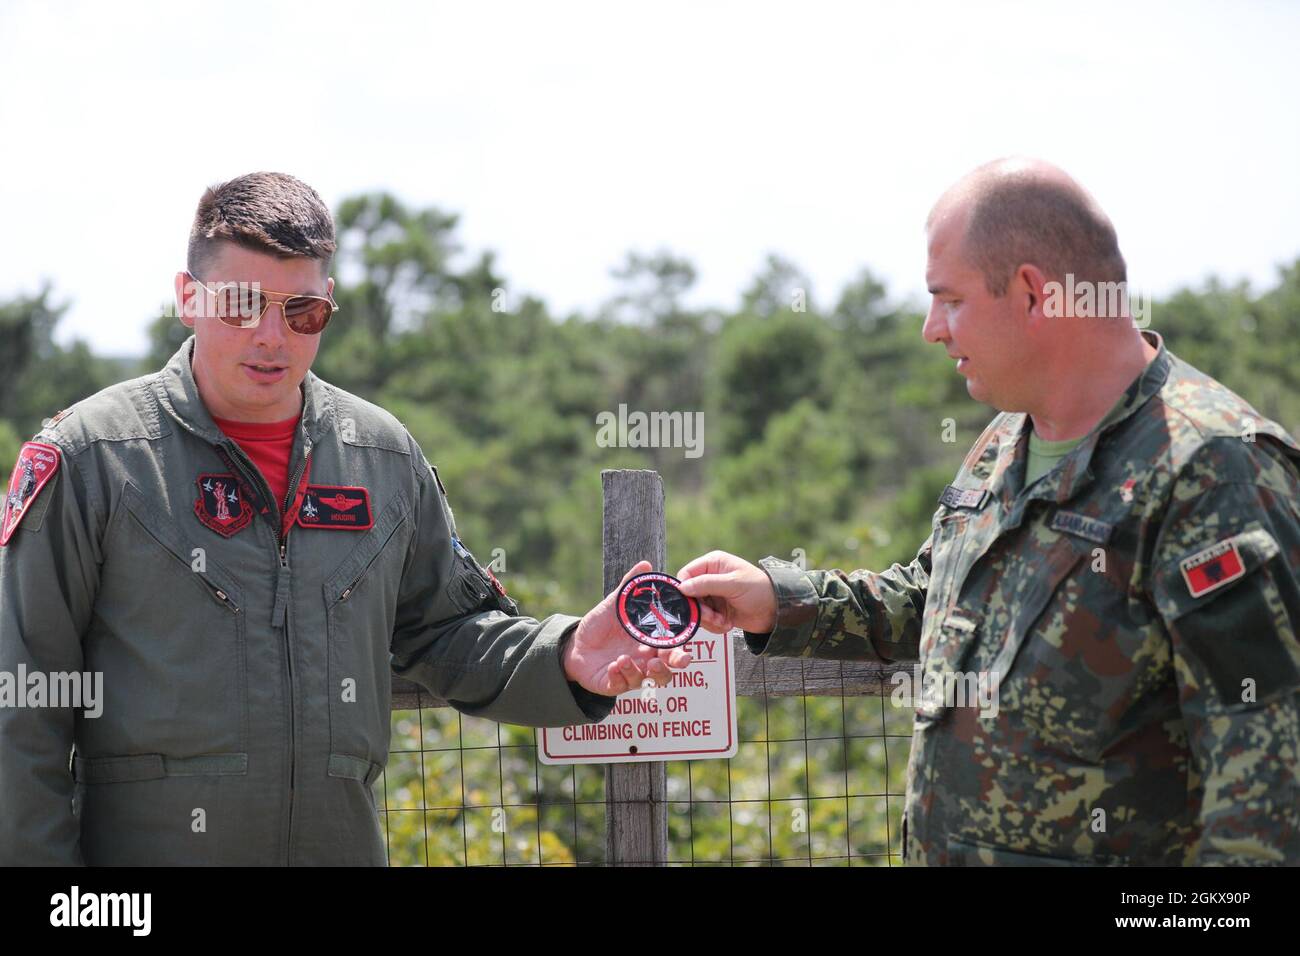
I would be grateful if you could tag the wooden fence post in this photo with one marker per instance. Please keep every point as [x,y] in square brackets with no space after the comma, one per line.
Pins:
[636,809]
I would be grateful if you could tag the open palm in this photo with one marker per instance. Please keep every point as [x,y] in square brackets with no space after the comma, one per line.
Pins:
[604,659]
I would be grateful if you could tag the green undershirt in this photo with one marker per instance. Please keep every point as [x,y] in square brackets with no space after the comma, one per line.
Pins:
[1044,455]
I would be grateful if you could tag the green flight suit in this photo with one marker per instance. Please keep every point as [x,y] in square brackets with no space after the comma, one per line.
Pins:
[246,670]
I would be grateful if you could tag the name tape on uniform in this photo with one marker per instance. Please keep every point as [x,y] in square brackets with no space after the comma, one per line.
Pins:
[1072,522]
[337,507]
[955,497]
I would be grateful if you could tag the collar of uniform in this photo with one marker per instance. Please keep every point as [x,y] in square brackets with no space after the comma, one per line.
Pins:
[1000,464]
[179,395]
[1074,473]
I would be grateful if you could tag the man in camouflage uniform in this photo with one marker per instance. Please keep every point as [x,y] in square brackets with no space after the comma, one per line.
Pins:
[1133,608]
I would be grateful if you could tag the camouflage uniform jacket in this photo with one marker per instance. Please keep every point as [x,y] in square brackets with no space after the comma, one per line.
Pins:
[1136,612]
[246,645]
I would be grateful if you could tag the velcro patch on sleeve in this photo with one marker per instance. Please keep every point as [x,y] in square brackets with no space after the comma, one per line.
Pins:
[336,507]
[37,463]
[954,497]
[1218,565]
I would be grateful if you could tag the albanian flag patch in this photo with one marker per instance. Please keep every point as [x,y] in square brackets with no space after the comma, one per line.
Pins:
[220,505]
[1211,569]
[340,507]
[37,463]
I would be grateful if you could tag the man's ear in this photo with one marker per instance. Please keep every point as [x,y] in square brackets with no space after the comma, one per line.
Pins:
[329,287]
[186,299]
[1029,285]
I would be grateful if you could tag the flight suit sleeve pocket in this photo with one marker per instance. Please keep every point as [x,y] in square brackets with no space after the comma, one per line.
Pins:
[1229,622]
[473,588]
[467,590]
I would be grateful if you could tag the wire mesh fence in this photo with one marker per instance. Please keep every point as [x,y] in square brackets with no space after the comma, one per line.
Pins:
[817,780]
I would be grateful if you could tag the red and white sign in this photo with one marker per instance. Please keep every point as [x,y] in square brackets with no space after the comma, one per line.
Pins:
[693,719]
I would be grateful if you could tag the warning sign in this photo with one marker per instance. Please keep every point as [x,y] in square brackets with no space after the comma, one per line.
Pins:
[692,719]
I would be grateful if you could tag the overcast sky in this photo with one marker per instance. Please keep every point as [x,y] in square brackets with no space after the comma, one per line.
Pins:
[566,133]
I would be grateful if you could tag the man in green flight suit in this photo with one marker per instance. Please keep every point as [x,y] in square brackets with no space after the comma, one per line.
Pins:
[240,555]
[1115,563]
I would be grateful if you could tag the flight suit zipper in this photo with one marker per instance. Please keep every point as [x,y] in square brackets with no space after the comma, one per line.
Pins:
[288,516]
[280,611]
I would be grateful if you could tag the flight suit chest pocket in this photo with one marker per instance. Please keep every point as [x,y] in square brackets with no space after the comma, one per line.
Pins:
[361,605]
[172,650]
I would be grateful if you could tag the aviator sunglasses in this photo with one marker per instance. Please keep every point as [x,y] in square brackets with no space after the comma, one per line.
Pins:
[242,306]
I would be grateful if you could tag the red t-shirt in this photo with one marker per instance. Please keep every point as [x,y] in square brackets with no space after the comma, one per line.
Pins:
[268,444]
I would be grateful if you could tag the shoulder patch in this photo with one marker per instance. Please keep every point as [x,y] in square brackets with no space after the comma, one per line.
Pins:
[1211,569]
[37,463]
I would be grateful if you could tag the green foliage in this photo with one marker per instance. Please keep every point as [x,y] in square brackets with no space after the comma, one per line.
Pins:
[38,377]
[10,442]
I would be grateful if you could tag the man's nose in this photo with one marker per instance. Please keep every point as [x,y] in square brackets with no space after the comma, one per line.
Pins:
[935,328]
[271,331]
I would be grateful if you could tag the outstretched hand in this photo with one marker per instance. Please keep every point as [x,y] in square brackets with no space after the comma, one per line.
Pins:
[732,593]
[604,659]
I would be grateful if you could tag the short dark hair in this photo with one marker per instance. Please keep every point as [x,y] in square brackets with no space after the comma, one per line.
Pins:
[1020,219]
[271,213]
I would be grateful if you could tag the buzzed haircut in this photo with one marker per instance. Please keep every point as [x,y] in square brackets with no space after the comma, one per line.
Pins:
[1020,218]
[270,213]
